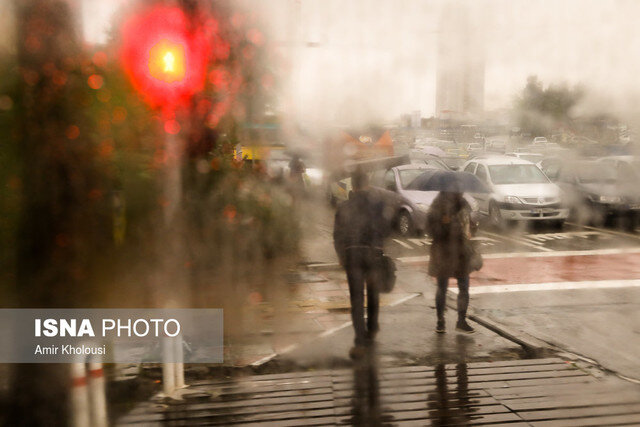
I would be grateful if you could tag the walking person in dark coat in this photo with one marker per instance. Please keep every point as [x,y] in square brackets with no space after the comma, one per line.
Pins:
[358,234]
[449,225]
[297,169]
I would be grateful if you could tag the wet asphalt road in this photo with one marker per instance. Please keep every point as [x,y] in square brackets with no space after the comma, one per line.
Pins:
[576,288]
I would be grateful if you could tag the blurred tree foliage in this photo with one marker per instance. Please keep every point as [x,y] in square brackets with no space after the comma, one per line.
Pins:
[81,166]
[123,151]
[539,110]
[10,171]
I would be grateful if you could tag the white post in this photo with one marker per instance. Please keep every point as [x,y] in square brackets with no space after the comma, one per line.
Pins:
[168,368]
[179,357]
[97,396]
[79,396]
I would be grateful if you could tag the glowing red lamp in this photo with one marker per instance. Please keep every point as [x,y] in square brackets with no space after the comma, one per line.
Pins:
[164,55]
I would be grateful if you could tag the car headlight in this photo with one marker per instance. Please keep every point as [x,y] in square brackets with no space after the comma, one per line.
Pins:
[512,199]
[605,199]
[423,206]
[610,199]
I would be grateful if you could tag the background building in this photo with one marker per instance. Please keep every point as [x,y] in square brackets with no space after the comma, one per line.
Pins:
[460,63]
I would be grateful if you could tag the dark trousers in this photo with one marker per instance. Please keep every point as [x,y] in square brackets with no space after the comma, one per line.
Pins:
[463,296]
[361,266]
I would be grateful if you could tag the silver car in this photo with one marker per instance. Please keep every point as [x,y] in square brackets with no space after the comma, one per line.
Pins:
[412,215]
[520,191]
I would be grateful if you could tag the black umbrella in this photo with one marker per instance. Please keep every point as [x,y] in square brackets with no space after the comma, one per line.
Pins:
[441,180]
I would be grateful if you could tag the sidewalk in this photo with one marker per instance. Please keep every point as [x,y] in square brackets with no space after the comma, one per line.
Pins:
[541,392]
[407,334]
[319,306]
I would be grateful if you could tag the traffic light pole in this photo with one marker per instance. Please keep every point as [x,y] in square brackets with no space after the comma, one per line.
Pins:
[165,53]
[172,353]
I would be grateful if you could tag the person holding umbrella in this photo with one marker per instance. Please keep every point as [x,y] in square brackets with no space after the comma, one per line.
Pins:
[452,254]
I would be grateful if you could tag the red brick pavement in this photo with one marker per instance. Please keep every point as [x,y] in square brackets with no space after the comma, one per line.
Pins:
[557,269]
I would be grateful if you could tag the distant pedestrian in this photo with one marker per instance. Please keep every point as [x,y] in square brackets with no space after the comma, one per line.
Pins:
[297,169]
[358,235]
[449,225]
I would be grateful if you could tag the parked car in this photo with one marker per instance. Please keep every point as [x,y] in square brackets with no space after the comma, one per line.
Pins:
[427,150]
[550,146]
[453,163]
[532,157]
[277,167]
[412,214]
[520,191]
[496,146]
[627,167]
[551,166]
[539,141]
[394,203]
[521,150]
[431,161]
[598,191]
[411,219]
[456,152]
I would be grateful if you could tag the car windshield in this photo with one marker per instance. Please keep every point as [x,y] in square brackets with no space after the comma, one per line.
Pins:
[453,162]
[591,173]
[408,175]
[517,174]
[436,164]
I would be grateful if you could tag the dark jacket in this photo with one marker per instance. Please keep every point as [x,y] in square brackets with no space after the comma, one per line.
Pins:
[448,224]
[359,222]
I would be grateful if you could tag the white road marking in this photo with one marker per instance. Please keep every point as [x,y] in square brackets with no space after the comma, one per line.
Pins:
[292,347]
[333,330]
[403,299]
[586,234]
[540,237]
[603,230]
[420,242]
[520,242]
[551,286]
[400,242]
[413,259]
[484,239]
[615,251]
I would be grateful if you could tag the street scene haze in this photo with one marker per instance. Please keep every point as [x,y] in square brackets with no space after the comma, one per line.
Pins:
[363,212]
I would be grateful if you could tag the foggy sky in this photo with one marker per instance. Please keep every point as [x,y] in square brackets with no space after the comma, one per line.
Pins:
[376,58]
[372,60]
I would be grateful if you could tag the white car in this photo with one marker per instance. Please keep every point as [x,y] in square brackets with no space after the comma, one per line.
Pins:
[474,148]
[532,157]
[627,167]
[496,146]
[522,150]
[520,191]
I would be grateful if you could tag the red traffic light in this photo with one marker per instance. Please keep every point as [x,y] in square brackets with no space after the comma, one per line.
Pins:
[164,55]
